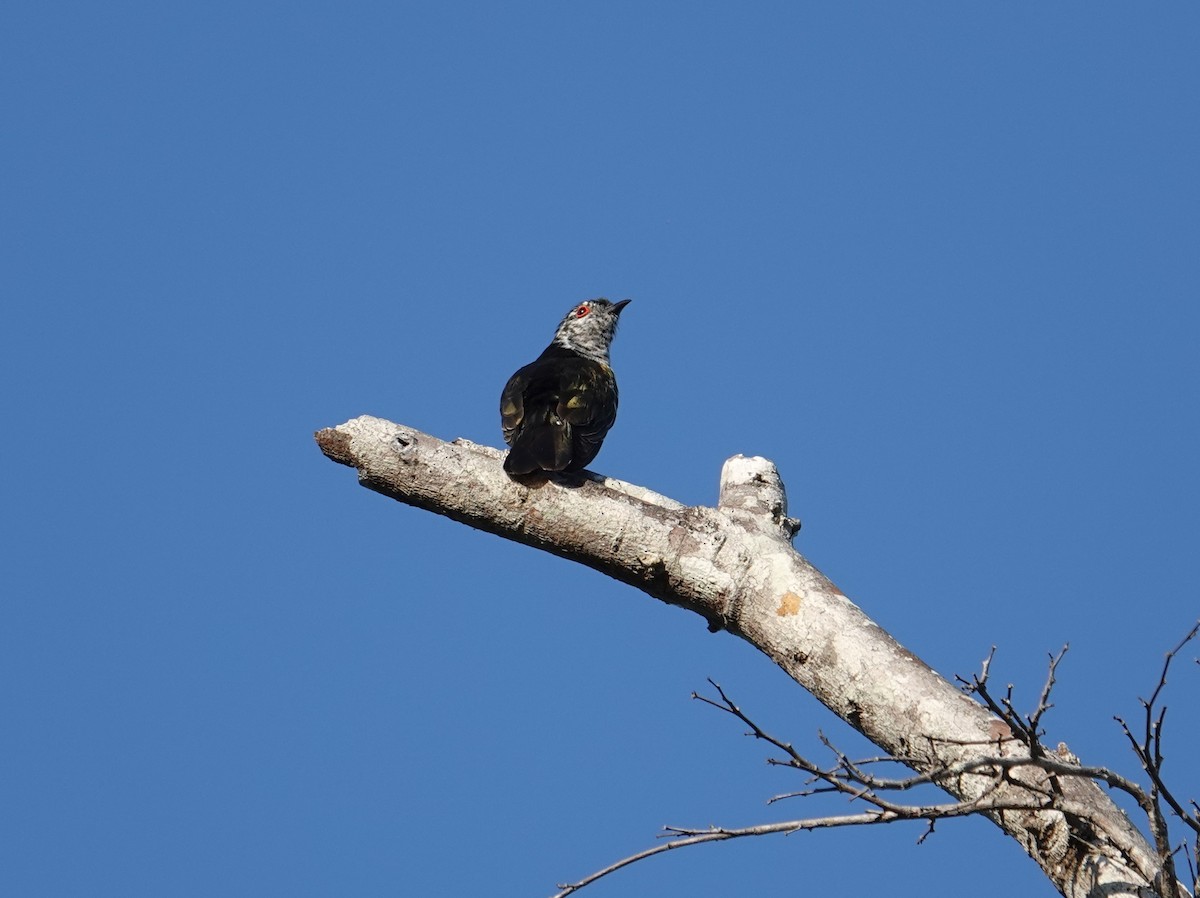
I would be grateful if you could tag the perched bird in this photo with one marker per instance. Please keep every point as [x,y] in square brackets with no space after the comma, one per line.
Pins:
[556,410]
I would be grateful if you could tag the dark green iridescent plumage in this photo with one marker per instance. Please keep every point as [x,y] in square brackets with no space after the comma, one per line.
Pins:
[556,410]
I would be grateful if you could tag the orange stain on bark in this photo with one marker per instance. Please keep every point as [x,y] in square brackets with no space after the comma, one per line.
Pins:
[789,603]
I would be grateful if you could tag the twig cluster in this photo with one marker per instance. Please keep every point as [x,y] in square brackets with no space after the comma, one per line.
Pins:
[1148,748]
[1027,730]
[1040,773]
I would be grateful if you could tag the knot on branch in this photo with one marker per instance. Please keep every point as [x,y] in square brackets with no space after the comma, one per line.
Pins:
[752,489]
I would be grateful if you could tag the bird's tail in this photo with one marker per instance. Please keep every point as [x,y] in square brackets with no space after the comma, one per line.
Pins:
[543,445]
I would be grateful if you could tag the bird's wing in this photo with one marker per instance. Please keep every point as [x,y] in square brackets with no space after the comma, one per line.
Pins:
[512,405]
[589,405]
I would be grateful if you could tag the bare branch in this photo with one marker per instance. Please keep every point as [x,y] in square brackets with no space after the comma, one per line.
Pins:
[681,838]
[1149,752]
[1027,729]
[850,778]
[1044,704]
[1170,656]
[734,565]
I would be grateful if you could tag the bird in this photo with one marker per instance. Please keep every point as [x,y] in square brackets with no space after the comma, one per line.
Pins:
[556,410]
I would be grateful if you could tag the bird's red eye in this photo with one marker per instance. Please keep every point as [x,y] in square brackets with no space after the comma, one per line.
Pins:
[582,310]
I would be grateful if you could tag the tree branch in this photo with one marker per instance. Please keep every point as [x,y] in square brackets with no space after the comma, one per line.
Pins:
[851,780]
[735,566]
[682,838]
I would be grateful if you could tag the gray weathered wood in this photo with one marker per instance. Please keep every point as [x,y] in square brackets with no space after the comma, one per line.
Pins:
[735,565]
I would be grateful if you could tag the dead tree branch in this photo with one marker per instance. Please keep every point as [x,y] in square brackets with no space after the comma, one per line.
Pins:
[1149,752]
[734,565]
[853,781]
[682,838]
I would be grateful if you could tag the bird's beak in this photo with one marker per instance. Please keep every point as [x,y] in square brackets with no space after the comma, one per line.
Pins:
[617,306]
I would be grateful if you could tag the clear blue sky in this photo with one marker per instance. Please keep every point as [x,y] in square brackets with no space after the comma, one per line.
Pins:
[938,260]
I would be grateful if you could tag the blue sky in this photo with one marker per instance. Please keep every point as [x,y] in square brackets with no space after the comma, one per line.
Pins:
[937,260]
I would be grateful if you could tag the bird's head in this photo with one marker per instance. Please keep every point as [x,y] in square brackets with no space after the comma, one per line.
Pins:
[589,328]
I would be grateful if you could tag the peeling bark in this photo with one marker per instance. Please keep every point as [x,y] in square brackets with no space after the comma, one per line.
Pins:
[734,565]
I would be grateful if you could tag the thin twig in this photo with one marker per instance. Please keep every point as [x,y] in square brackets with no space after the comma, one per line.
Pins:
[682,838]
